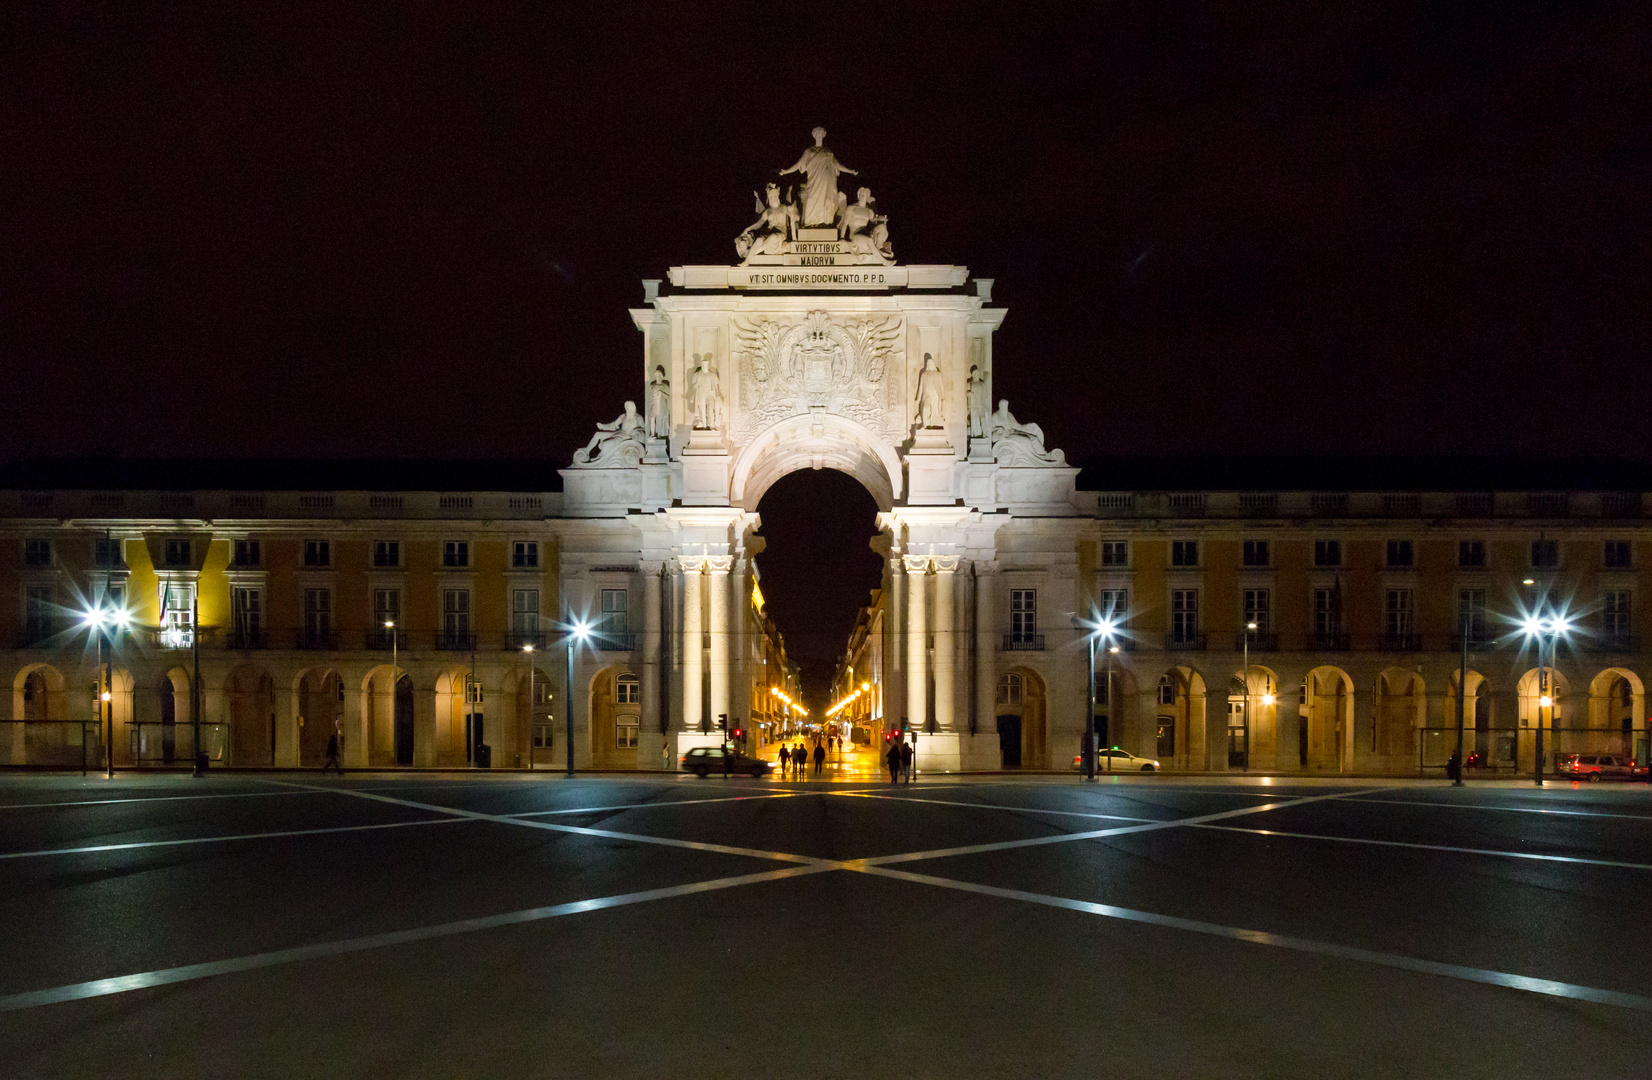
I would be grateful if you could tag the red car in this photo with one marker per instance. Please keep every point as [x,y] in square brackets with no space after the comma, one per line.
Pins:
[1599,766]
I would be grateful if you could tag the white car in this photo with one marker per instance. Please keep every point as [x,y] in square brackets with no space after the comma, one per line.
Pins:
[1122,761]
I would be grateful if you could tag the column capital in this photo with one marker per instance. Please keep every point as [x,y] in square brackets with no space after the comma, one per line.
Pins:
[946,564]
[915,564]
[983,567]
[691,564]
[651,567]
[719,564]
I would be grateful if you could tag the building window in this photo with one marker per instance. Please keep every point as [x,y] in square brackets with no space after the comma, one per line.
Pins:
[1471,554]
[1617,555]
[525,554]
[1115,605]
[1115,553]
[627,690]
[248,553]
[1256,553]
[37,613]
[1184,553]
[1614,616]
[246,612]
[387,607]
[37,552]
[1545,554]
[1398,622]
[1399,554]
[177,614]
[456,616]
[542,736]
[1167,690]
[525,615]
[1328,615]
[1184,616]
[1258,609]
[318,553]
[1327,552]
[625,736]
[106,552]
[175,552]
[318,616]
[1023,614]
[387,553]
[1471,613]
[456,553]
[1009,688]
[614,624]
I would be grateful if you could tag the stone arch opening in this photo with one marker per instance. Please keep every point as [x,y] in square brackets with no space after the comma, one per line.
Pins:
[614,716]
[461,717]
[1325,725]
[1485,746]
[318,695]
[388,730]
[249,694]
[39,707]
[1252,717]
[1617,700]
[531,695]
[1180,702]
[1399,714]
[1535,685]
[1022,720]
[824,441]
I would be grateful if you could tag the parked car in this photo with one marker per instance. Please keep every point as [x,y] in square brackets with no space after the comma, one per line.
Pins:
[1122,761]
[1599,766]
[702,761]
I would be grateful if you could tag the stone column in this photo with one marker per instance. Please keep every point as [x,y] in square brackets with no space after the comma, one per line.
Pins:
[717,583]
[894,653]
[693,568]
[945,566]
[986,657]
[917,642]
[651,647]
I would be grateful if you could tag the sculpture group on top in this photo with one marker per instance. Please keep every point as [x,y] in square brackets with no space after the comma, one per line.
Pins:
[818,215]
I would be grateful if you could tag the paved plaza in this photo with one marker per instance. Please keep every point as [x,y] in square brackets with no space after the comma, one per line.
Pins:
[409,926]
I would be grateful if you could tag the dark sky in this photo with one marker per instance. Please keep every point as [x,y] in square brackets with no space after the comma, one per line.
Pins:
[256,230]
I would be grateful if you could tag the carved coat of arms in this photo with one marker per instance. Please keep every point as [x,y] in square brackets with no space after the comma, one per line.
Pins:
[787,369]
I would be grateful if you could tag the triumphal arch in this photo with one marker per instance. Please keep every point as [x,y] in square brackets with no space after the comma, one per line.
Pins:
[818,349]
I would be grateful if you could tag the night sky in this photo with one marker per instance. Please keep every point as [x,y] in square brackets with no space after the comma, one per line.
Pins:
[1309,228]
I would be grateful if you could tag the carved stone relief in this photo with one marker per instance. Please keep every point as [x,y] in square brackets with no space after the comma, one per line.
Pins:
[787,369]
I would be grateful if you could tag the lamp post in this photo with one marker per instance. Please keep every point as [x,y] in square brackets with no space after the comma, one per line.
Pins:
[1112,651]
[1462,695]
[577,631]
[1250,627]
[527,650]
[1547,630]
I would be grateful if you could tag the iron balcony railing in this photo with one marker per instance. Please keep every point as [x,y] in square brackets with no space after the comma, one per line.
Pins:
[320,640]
[1023,643]
[1182,641]
[518,640]
[384,639]
[1330,641]
[243,639]
[604,641]
[1260,641]
[1401,643]
[455,642]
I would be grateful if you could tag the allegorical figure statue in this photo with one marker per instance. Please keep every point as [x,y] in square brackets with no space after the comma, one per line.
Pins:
[866,230]
[705,395]
[659,405]
[978,410]
[930,413]
[776,223]
[820,169]
[1015,443]
[612,439]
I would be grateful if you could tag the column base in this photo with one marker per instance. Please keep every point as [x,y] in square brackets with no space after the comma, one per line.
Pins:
[981,753]
[937,753]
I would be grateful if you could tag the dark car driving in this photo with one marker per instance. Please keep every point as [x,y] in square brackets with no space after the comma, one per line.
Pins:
[702,761]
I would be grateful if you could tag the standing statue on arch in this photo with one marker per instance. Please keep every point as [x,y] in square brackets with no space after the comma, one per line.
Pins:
[705,395]
[822,202]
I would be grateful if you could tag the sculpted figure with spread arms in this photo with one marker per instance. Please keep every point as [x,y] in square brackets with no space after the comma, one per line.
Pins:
[820,168]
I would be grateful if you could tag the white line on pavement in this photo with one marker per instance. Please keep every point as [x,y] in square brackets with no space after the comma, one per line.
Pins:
[991,806]
[223,839]
[150,799]
[656,803]
[1549,987]
[189,972]
[1501,809]
[1432,847]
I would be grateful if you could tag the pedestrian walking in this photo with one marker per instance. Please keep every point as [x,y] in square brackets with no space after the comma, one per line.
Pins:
[785,759]
[800,760]
[332,755]
[820,756]
[665,756]
[906,760]
[894,759]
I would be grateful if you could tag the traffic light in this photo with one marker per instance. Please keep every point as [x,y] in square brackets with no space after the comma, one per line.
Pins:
[738,733]
[722,720]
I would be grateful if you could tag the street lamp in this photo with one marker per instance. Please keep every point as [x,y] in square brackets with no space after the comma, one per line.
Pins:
[527,650]
[1250,628]
[1548,630]
[577,632]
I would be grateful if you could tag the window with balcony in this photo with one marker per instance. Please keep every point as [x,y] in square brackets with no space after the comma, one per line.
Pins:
[318,618]
[1471,554]
[1616,555]
[614,624]
[246,617]
[455,619]
[1615,628]
[1328,618]
[387,554]
[39,614]
[37,552]
[455,553]
[1399,622]
[248,553]
[1184,553]
[1471,614]
[1256,553]
[1115,553]
[318,554]
[387,608]
[1184,617]
[1327,552]
[525,617]
[106,553]
[525,554]
[1023,615]
[177,609]
[1399,555]
[1258,610]
[175,551]
[1545,554]
[1114,605]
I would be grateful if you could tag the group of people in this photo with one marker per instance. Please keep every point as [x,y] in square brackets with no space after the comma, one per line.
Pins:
[899,758]
[796,760]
